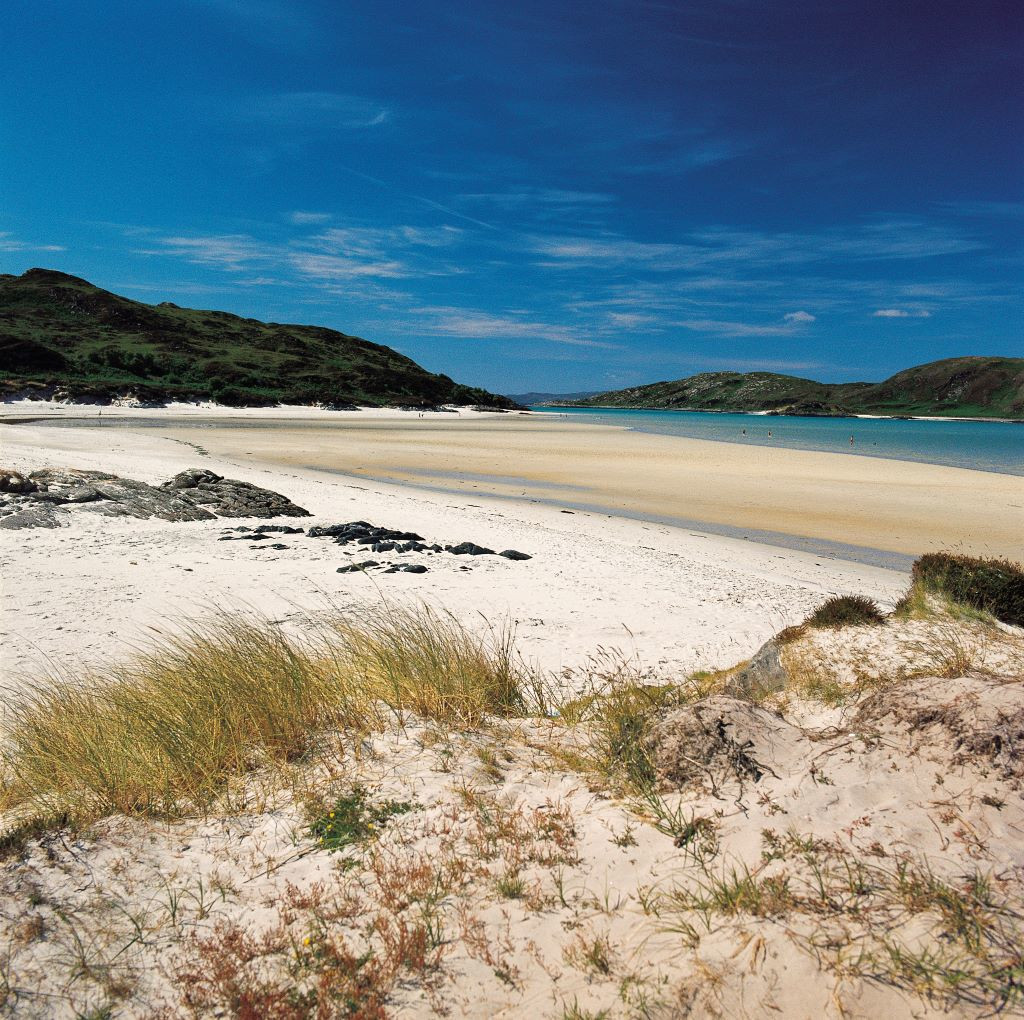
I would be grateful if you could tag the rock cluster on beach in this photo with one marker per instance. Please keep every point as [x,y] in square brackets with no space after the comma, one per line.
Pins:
[49,498]
[383,540]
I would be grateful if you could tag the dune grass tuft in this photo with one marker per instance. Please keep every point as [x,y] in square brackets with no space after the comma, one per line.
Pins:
[167,733]
[846,611]
[427,663]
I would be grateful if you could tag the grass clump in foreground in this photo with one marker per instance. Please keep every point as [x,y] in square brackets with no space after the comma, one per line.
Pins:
[994,586]
[167,733]
[846,611]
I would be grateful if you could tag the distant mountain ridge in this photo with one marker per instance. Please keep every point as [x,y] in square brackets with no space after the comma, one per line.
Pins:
[62,335]
[971,387]
[549,398]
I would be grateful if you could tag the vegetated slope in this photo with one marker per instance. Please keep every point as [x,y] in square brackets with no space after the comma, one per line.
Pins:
[976,387]
[61,334]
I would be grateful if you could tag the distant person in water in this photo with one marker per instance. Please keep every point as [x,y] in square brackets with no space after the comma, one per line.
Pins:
[769,433]
[851,440]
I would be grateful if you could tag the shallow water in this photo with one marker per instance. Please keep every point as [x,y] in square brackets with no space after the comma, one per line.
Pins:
[982,446]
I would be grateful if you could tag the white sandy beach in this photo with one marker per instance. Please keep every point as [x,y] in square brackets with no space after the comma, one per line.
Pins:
[676,598]
[550,893]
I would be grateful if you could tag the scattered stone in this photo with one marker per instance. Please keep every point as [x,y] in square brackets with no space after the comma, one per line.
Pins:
[350,568]
[468,549]
[281,529]
[385,540]
[275,545]
[111,496]
[364,533]
[763,674]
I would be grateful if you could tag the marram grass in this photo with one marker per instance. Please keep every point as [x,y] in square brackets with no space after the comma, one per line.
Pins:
[167,732]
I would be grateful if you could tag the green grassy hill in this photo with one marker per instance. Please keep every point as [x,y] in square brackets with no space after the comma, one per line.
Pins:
[57,331]
[975,387]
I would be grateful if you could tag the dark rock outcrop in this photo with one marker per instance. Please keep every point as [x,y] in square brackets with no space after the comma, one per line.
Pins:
[44,498]
[227,497]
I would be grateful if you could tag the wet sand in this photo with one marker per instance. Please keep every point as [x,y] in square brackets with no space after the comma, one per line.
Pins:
[897,506]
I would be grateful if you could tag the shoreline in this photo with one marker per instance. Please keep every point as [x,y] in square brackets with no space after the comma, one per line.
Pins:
[824,548]
[783,414]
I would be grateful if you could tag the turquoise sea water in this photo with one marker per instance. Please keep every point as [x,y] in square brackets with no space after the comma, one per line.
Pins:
[983,446]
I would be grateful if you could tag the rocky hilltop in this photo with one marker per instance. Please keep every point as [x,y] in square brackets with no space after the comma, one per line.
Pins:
[61,336]
[976,387]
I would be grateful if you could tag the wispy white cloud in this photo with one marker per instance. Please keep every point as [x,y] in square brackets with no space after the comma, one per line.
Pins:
[338,253]
[318,109]
[735,251]
[735,329]
[473,324]
[337,267]
[997,210]
[800,316]
[629,320]
[232,252]
[538,196]
[902,313]
[610,248]
[376,241]
[300,219]
[8,242]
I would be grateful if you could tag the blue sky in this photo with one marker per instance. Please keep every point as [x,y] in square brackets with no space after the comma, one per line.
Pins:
[537,195]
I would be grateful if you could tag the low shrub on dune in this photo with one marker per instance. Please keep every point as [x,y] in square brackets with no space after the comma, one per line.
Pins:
[846,611]
[994,586]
